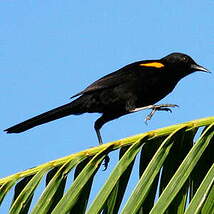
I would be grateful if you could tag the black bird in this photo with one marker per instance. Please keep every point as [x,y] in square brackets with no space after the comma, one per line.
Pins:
[132,88]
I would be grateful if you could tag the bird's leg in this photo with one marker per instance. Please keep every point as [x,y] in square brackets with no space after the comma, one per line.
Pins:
[98,135]
[161,107]
[97,126]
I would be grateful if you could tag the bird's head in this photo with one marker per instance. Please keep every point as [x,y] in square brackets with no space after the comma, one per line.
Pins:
[182,64]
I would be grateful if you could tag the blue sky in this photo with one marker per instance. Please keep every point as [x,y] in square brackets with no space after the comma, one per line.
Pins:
[50,50]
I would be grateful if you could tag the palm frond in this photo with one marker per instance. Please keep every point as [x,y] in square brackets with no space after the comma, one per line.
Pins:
[176,175]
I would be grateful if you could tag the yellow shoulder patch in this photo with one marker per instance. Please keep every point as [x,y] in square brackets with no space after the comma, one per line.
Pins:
[153,64]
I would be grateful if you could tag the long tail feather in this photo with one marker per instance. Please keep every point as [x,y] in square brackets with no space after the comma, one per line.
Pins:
[62,111]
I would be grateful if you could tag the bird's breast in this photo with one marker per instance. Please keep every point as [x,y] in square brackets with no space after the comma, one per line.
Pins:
[153,90]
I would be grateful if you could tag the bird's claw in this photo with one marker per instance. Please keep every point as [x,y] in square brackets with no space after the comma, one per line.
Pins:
[162,107]
[105,162]
[165,109]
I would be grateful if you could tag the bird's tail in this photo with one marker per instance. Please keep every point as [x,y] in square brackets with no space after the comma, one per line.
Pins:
[62,111]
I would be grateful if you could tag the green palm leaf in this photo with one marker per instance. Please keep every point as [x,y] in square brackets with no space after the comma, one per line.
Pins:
[176,175]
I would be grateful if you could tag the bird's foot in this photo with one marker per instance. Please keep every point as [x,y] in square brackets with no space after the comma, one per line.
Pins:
[105,162]
[161,107]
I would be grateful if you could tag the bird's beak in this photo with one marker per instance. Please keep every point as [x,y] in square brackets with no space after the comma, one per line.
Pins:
[196,67]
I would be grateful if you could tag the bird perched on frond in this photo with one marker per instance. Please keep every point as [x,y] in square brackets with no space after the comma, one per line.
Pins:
[135,87]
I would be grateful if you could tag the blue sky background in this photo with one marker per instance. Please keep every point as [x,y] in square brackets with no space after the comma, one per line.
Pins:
[50,50]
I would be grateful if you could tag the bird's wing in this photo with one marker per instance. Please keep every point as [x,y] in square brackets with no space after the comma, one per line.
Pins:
[107,81]
[125,74]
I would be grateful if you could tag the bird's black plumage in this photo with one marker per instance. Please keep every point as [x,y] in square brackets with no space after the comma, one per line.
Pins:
[134,87]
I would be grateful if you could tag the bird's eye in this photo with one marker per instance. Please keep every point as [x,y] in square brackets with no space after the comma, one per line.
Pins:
[184,58]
